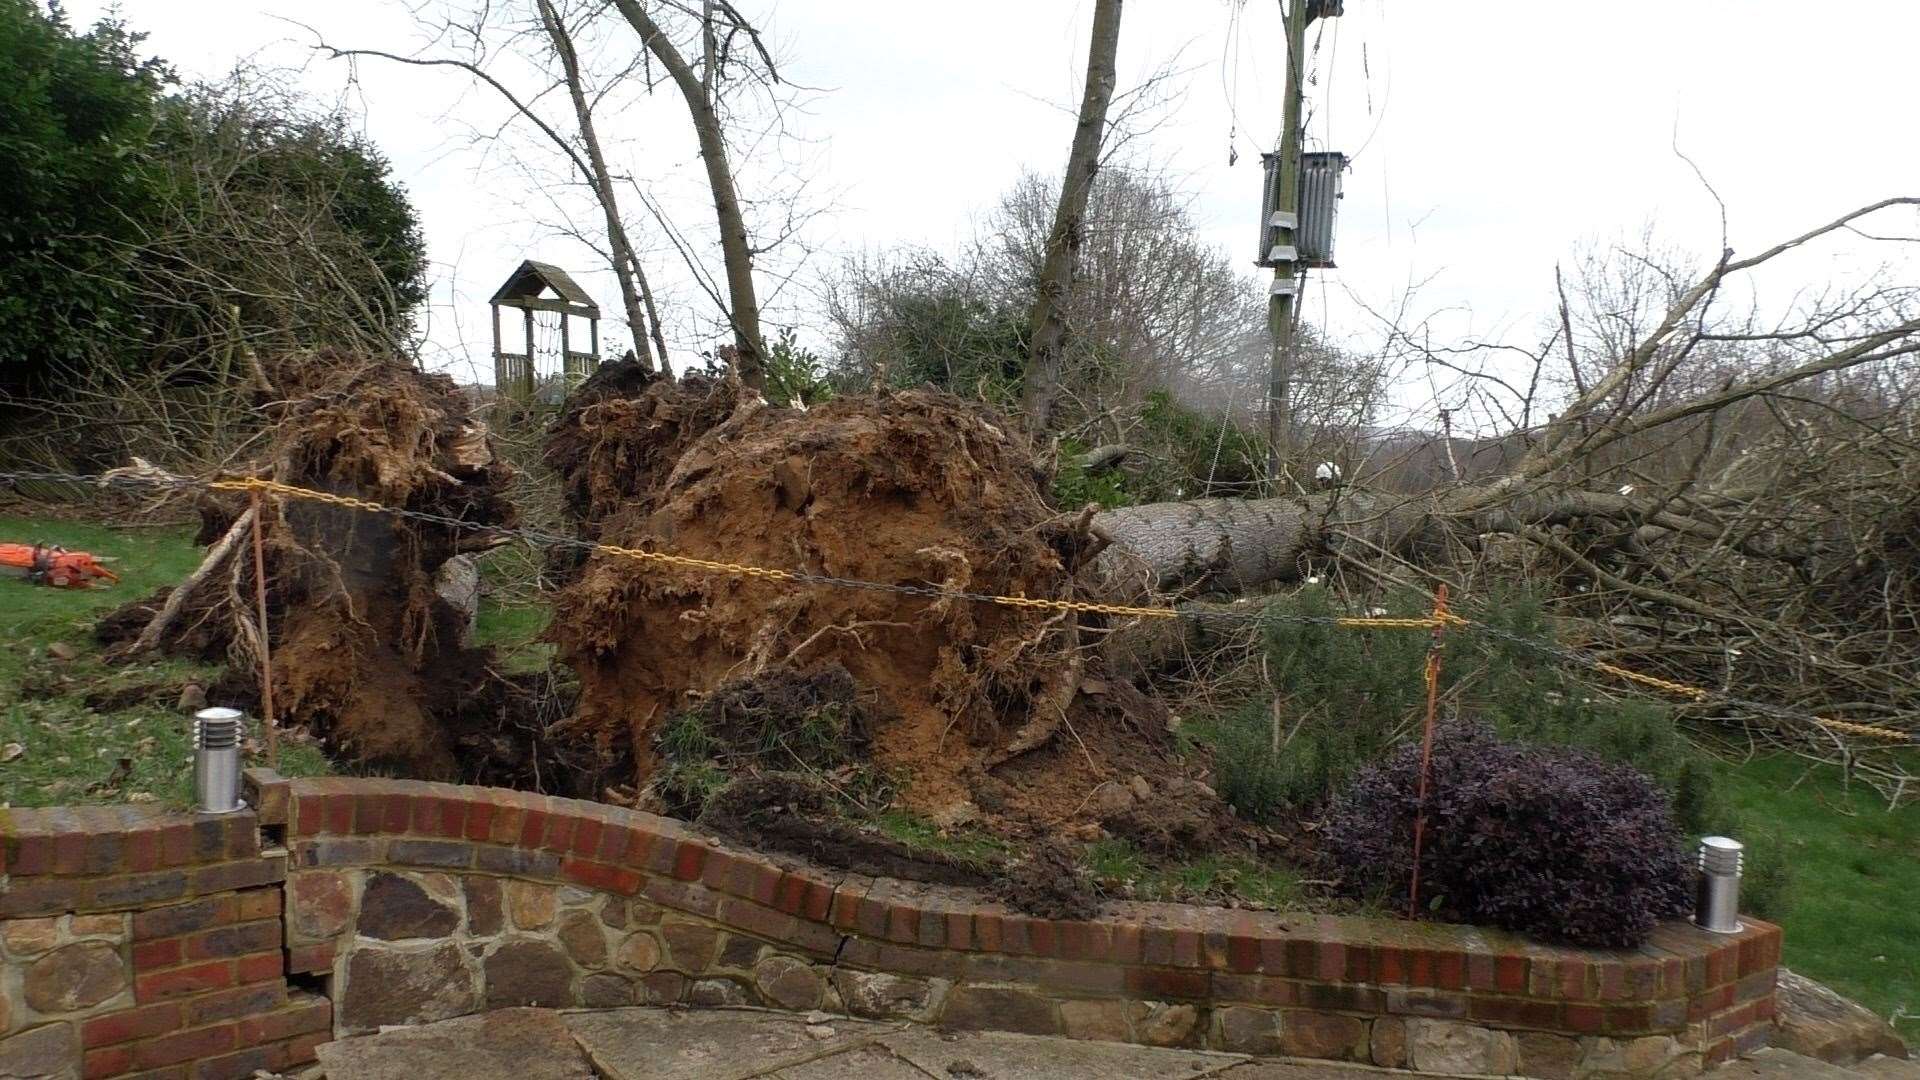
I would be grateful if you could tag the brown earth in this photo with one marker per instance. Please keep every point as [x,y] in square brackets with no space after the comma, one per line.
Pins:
[365,654]
[780,811]
[909,489]
[967,711]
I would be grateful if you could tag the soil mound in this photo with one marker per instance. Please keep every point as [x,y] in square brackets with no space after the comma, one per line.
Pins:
[366,654]
[622,431]
[801,815]
[910,489]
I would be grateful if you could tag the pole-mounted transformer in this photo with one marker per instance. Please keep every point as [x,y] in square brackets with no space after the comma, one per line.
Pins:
[1296,229]
[1321,174]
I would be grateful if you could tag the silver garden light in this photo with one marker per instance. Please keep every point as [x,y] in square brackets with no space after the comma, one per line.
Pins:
[216,759]
[1717,903]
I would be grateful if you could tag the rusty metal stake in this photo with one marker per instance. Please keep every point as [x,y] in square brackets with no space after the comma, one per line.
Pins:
[266,650]
[1426,742]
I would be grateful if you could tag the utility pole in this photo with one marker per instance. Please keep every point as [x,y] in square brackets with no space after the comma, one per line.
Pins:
[1287,280]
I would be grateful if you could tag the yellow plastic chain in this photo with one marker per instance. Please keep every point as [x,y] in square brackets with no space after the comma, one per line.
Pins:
[661,558]
[765,573]
[1680,689]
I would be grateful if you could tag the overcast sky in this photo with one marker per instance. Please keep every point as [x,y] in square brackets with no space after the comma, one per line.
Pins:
[1489,139]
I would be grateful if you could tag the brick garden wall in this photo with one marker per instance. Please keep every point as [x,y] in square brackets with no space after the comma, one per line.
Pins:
[139,943]
[409,901]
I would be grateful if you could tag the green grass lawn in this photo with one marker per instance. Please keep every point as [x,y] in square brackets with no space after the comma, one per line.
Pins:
[515,631]
[67,752]
[1119,866]
[1854,916]
[1854,922]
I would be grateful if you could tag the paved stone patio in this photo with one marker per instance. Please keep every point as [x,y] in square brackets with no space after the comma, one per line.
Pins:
[754,1044]
[738,1044]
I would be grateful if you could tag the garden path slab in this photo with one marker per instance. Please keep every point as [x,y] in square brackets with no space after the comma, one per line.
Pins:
[994,1056]
[508,1044]
[710,1044]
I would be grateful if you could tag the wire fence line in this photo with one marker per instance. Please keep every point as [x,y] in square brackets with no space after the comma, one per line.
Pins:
[153,480]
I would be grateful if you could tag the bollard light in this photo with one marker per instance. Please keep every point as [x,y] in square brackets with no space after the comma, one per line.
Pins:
[1717,903]
[216,759]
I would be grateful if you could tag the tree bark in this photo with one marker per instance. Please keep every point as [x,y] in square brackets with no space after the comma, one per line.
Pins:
[626,265]
[1108,456]
[734,250]
[1235,545]
[1046,325]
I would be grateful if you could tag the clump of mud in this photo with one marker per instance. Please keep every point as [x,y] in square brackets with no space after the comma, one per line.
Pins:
[911,489]
[1175,820]
[1050,882]
[803,815]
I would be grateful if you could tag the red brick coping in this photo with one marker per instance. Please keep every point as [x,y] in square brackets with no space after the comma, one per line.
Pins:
[382,872]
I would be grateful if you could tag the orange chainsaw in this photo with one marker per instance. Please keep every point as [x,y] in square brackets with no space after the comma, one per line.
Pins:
[50,564]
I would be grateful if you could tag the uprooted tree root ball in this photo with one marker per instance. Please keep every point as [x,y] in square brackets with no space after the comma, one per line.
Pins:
[367,654]
[796,715]
[976,708]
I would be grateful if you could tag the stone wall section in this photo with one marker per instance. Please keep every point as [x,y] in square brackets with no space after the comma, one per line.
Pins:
[135,943]
[166,947]
[421,901]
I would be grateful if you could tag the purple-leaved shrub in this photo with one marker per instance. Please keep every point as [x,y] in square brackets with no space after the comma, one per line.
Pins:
[1550,842]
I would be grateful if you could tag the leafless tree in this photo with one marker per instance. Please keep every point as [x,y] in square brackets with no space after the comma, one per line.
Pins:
[1723,497]
[1180,316]
[633,280]
[716,25]
[1164,326]
[1047,327]
[548,40]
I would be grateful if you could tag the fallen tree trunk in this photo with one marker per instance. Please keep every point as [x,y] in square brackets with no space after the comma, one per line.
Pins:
[1235,545]
[1102,458]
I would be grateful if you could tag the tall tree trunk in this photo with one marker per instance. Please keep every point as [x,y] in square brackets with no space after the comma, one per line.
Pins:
[734,251]
[1046,325]
[626,265]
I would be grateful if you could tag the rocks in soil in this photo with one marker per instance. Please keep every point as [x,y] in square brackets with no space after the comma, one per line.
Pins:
[1178,820]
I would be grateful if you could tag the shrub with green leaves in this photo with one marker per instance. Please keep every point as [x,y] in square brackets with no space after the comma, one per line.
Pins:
[76,110]
[1344,696]
[1349,697]
[795,374]
[146,227]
